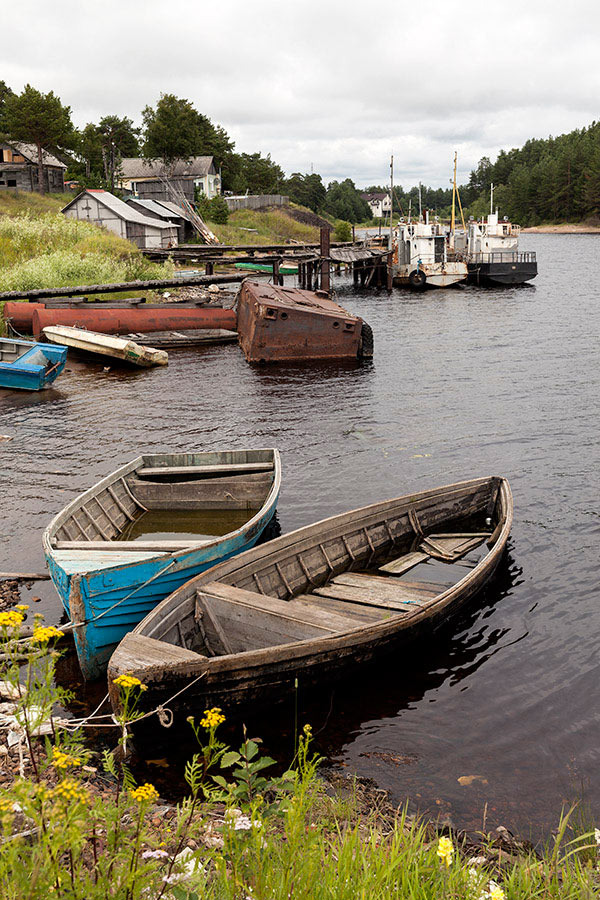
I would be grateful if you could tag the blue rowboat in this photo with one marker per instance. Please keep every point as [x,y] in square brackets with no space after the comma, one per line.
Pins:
[29,366]
[110,573]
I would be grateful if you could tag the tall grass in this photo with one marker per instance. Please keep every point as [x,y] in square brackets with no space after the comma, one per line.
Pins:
[52,251]
[268,226]
[239,835]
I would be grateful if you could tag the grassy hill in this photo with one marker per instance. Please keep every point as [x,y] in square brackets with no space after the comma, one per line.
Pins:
[39,247]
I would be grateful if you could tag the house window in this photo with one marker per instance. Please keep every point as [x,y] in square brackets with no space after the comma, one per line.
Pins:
[12,182]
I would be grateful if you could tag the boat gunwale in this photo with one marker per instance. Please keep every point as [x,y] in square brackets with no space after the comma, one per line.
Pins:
[315,646]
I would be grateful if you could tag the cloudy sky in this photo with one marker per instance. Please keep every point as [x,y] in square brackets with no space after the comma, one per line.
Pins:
[324,84]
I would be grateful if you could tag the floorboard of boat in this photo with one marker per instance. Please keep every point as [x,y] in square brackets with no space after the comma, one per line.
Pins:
[356,613]
[404,600]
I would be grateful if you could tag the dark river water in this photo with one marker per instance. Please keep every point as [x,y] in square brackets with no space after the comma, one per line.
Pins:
[464,382]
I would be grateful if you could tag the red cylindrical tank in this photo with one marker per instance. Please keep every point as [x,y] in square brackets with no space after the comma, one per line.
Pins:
[20,315]
[126,320]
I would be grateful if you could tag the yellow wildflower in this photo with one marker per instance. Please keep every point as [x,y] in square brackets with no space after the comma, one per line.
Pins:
[11,619]
[144,792]
[495,892]
[129,681]
[212,718]
[22,607]
[41,635]
[445,850]
[6,807]
[70,791]
[62,760]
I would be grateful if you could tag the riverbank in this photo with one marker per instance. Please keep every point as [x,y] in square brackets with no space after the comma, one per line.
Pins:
[565,228]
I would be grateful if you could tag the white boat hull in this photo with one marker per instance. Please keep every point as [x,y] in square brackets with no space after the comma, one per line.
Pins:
[105,345]
[436,275]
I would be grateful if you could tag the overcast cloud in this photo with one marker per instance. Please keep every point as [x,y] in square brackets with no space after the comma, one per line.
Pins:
[336,86]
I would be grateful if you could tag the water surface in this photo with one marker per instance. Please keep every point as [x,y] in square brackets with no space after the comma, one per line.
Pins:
[464,382]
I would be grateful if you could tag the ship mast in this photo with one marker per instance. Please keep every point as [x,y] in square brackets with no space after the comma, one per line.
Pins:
[453,222]
[391,200]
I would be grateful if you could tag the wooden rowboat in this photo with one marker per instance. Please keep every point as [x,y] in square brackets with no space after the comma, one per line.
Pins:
[110,574]
[99,344]
[314,603]
[29,366]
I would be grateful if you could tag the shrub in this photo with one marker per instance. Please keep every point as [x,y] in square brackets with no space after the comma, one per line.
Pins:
[343,230]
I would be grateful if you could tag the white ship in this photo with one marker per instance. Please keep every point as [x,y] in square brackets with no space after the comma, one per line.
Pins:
[420,257]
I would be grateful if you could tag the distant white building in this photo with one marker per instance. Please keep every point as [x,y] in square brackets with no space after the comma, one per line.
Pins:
[380,204]
[146,178]
[103,208]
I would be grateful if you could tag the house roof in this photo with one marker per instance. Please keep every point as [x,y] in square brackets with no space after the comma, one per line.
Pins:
[29,151]
[137,167]
[375,196]
[123,210]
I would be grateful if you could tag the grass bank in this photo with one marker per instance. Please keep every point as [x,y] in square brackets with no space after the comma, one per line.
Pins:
[271,226]
[41,248]
[76,825]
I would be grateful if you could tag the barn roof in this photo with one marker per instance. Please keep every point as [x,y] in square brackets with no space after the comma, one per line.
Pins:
[137,167]
[175,209]
[29,151]
[123,210]
[150,205]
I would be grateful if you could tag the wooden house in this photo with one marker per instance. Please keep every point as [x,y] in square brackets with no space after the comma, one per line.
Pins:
[166,211]
[147,178]
[380,204]
[19,170]
[103,208]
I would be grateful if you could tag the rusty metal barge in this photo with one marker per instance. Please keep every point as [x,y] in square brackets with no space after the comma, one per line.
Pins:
[277,324]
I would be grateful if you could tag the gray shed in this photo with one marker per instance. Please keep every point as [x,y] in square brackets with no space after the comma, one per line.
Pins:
[103,208]
[166,211]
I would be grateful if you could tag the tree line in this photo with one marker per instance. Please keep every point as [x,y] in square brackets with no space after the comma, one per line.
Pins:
[545,180]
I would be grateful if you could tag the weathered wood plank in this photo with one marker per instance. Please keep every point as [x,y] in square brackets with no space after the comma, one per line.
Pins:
[404,602]
[405,562]
[274,605]
[242,468]
[24,576]
[361,614]
[385,583]
[159,546]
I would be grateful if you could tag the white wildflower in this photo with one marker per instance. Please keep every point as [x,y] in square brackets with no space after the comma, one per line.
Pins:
[154,854]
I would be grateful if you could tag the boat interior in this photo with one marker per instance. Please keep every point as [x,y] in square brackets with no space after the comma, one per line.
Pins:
[336,582]
[11,351]
[161,504]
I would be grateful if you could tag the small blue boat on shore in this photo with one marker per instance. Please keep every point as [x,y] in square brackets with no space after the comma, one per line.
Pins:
[29,366]
[125,544]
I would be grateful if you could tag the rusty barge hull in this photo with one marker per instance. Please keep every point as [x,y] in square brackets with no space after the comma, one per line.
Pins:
[277,324]
[127,320]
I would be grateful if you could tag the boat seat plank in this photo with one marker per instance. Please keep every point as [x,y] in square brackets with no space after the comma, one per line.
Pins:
[77,561]
[251,621]
[403,600]
[286,608]
[405,562]
[224,469]
[362,614]
[133,546]
[140,650]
